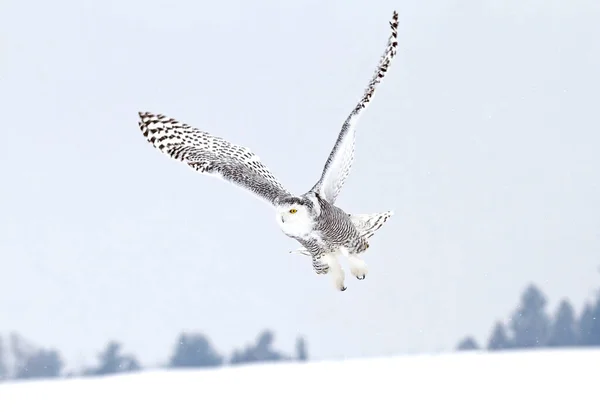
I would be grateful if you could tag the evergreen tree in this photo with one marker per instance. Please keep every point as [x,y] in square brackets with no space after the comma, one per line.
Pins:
[112,361]
[468,343]
[499,339]
[594,335]
[564,328]
[262,351]
[586,320]
[194,350]
[530,324]
[31,362]
[41,364]
[301,352]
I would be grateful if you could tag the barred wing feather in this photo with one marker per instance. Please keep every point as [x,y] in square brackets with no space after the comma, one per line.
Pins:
[338,164]
[211,155]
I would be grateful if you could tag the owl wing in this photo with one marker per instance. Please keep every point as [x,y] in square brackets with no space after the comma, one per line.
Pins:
[338,164]
[211,155]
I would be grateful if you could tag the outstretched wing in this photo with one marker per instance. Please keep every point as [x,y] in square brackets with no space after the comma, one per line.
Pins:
[338,164]
[210,155]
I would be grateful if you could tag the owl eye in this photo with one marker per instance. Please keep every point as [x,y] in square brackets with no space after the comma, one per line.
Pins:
[292,211]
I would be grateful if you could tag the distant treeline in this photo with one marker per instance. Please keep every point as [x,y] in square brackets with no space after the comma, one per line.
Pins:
[20,359]
[529,326]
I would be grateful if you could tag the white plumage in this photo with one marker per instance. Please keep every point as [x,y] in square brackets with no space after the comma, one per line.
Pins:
[324,230]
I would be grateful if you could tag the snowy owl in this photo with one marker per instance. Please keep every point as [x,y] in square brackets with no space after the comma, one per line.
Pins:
[323,230]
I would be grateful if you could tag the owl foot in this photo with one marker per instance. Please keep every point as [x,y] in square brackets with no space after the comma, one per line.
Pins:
[358,267]
[329,264]
[337,274]
[338,280]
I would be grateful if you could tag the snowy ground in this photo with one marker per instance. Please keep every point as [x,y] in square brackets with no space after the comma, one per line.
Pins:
[519,381]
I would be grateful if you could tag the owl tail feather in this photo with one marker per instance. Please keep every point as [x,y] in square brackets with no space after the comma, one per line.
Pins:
[369,223]
[366,224]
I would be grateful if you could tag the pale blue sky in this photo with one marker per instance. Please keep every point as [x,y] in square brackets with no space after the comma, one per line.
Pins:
[484,139]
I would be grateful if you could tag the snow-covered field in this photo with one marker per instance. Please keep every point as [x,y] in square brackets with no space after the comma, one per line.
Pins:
[562,380]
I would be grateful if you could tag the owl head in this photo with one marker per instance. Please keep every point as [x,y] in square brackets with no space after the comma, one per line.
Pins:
[296,215]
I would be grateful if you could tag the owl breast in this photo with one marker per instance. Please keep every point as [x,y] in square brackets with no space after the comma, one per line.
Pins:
[296,228]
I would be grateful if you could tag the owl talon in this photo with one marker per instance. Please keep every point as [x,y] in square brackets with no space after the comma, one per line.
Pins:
[343,288]
[358,267]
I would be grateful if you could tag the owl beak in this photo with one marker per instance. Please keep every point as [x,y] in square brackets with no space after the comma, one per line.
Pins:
[282,219]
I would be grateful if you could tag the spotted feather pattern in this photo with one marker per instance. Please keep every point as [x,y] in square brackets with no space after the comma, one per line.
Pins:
[212,155]
[338,164]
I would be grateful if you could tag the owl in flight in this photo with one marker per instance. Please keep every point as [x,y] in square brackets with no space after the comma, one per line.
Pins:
[323,230]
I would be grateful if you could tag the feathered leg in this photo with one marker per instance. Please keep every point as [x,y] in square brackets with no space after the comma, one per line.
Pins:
[328,264]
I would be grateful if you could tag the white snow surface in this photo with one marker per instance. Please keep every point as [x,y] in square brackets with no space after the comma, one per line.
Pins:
[540,380]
